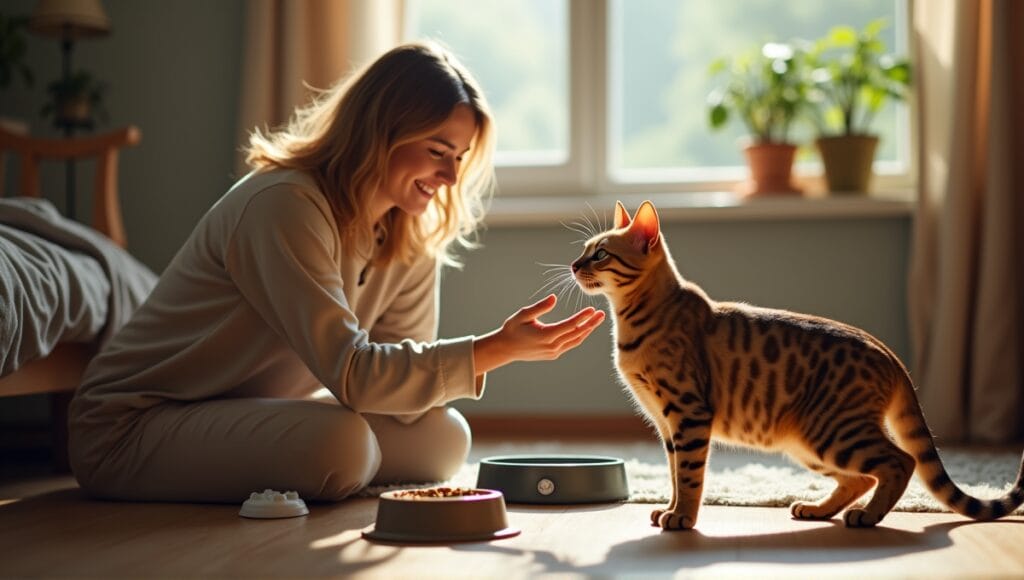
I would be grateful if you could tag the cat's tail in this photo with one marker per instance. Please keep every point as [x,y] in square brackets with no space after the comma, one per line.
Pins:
[914,437]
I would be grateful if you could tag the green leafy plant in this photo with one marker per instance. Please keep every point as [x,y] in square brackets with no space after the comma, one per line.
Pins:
[765,89]
[12,51]
[75,99]
[852,77]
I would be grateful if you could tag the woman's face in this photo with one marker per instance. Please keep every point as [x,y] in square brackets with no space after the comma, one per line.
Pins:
[418,169]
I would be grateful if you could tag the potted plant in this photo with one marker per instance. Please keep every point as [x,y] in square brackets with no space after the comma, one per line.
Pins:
[12,51]
[75,100]
[767,91]
[12,62]
[852,77]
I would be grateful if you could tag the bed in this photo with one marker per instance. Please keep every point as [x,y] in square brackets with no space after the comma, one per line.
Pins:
[65,287]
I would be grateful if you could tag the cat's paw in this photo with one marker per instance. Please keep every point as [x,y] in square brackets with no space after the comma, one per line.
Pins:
[809,511]
[656,516]
[675,521]
[859,518]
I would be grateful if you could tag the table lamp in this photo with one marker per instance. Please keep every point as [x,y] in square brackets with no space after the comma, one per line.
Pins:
[69,20]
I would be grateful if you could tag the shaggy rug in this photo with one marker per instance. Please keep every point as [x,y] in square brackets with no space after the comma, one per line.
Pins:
[747,478]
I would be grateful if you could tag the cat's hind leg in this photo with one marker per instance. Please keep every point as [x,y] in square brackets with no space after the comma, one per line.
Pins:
[848,489]
[868,451]
[893,468]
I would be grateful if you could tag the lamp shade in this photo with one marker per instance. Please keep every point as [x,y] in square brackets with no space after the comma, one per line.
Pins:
[69,19]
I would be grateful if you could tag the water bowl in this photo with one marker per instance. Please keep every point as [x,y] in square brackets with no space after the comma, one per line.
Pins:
[555,479]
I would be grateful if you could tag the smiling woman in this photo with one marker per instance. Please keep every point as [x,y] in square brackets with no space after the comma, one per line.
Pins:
[420,168]
[292,342]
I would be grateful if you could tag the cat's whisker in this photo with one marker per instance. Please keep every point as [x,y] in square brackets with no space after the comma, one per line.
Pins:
[553,267]
[582,229]
[554,280]
[544,288]
[569,287]
[549,271]
[592,227]
[600,219]
[578,228]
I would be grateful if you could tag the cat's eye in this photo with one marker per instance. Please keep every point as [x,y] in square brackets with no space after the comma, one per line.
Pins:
[600,254]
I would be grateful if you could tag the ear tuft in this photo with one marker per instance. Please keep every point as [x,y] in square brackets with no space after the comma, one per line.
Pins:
[622,218]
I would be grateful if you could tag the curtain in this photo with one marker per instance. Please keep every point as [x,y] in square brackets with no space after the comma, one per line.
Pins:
[966,287]
[292,44]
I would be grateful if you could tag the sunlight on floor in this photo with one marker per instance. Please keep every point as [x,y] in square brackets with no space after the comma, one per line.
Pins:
[335,540]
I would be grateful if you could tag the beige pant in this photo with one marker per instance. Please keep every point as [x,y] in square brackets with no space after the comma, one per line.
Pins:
[222,450]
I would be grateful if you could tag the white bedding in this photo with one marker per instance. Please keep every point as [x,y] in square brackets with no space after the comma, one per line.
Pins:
[60,281]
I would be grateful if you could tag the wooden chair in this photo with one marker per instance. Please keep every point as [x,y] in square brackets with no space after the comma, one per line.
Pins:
[103,148]
[60,372]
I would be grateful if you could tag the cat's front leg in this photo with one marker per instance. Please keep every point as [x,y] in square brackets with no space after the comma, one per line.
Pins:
[688,458]
[669,454]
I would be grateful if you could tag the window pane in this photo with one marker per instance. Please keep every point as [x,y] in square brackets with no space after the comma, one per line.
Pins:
[660,51]
[518,50]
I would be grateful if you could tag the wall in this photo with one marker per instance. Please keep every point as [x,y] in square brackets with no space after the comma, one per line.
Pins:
[174,69]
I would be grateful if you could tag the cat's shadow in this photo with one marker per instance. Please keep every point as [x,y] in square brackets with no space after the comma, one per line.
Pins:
[666,553]
[834,543]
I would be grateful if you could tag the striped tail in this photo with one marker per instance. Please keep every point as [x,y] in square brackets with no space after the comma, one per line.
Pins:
[913,436]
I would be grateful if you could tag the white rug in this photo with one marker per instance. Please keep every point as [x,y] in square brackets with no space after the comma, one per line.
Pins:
[746,478]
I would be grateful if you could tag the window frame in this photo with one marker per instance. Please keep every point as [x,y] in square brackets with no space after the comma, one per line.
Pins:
[590,125]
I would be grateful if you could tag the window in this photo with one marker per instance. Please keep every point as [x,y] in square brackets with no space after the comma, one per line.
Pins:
[609,96]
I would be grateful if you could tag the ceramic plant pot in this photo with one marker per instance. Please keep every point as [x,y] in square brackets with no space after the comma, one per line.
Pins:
[771,169]
[848,160]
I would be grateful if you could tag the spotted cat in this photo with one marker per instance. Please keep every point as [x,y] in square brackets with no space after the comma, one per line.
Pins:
[819,390]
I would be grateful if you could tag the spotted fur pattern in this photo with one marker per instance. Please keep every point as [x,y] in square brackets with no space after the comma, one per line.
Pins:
[820,390]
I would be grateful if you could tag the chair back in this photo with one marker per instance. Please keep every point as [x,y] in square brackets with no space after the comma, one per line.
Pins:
[103,148]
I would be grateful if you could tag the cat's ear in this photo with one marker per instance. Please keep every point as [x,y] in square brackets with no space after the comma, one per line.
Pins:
[621,215]
[645,229]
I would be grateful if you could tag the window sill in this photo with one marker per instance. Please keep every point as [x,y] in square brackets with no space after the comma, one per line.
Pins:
[702,207]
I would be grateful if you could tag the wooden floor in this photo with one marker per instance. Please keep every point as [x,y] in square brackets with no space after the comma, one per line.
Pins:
[48,528]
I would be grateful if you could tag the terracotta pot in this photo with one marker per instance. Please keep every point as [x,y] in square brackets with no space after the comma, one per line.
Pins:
[75,110]
[847,160]
[771,169]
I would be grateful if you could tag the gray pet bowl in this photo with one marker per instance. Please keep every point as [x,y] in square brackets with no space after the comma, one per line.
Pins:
[557,479]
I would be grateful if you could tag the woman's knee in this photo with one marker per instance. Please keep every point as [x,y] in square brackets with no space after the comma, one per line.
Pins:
[344,459]
[455,439]
[432,448]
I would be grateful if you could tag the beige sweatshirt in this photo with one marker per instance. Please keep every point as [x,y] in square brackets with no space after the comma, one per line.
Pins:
[261,301]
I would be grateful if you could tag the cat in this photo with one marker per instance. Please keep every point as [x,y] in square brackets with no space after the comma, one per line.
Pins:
[817,389]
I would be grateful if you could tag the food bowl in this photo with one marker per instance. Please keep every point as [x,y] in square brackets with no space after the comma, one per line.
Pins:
[441,514]
[560,479]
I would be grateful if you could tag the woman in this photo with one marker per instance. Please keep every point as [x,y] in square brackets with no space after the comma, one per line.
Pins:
[317,270]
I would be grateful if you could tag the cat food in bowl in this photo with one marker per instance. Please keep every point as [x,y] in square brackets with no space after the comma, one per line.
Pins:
[441,514]
[555,479]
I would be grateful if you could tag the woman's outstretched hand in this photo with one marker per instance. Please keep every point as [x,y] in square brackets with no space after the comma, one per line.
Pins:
[523,337]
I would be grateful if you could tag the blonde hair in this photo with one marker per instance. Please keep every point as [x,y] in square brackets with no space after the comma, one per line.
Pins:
[345,137]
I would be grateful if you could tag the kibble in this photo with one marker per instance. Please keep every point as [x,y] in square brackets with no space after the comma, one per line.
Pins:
[439,492]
